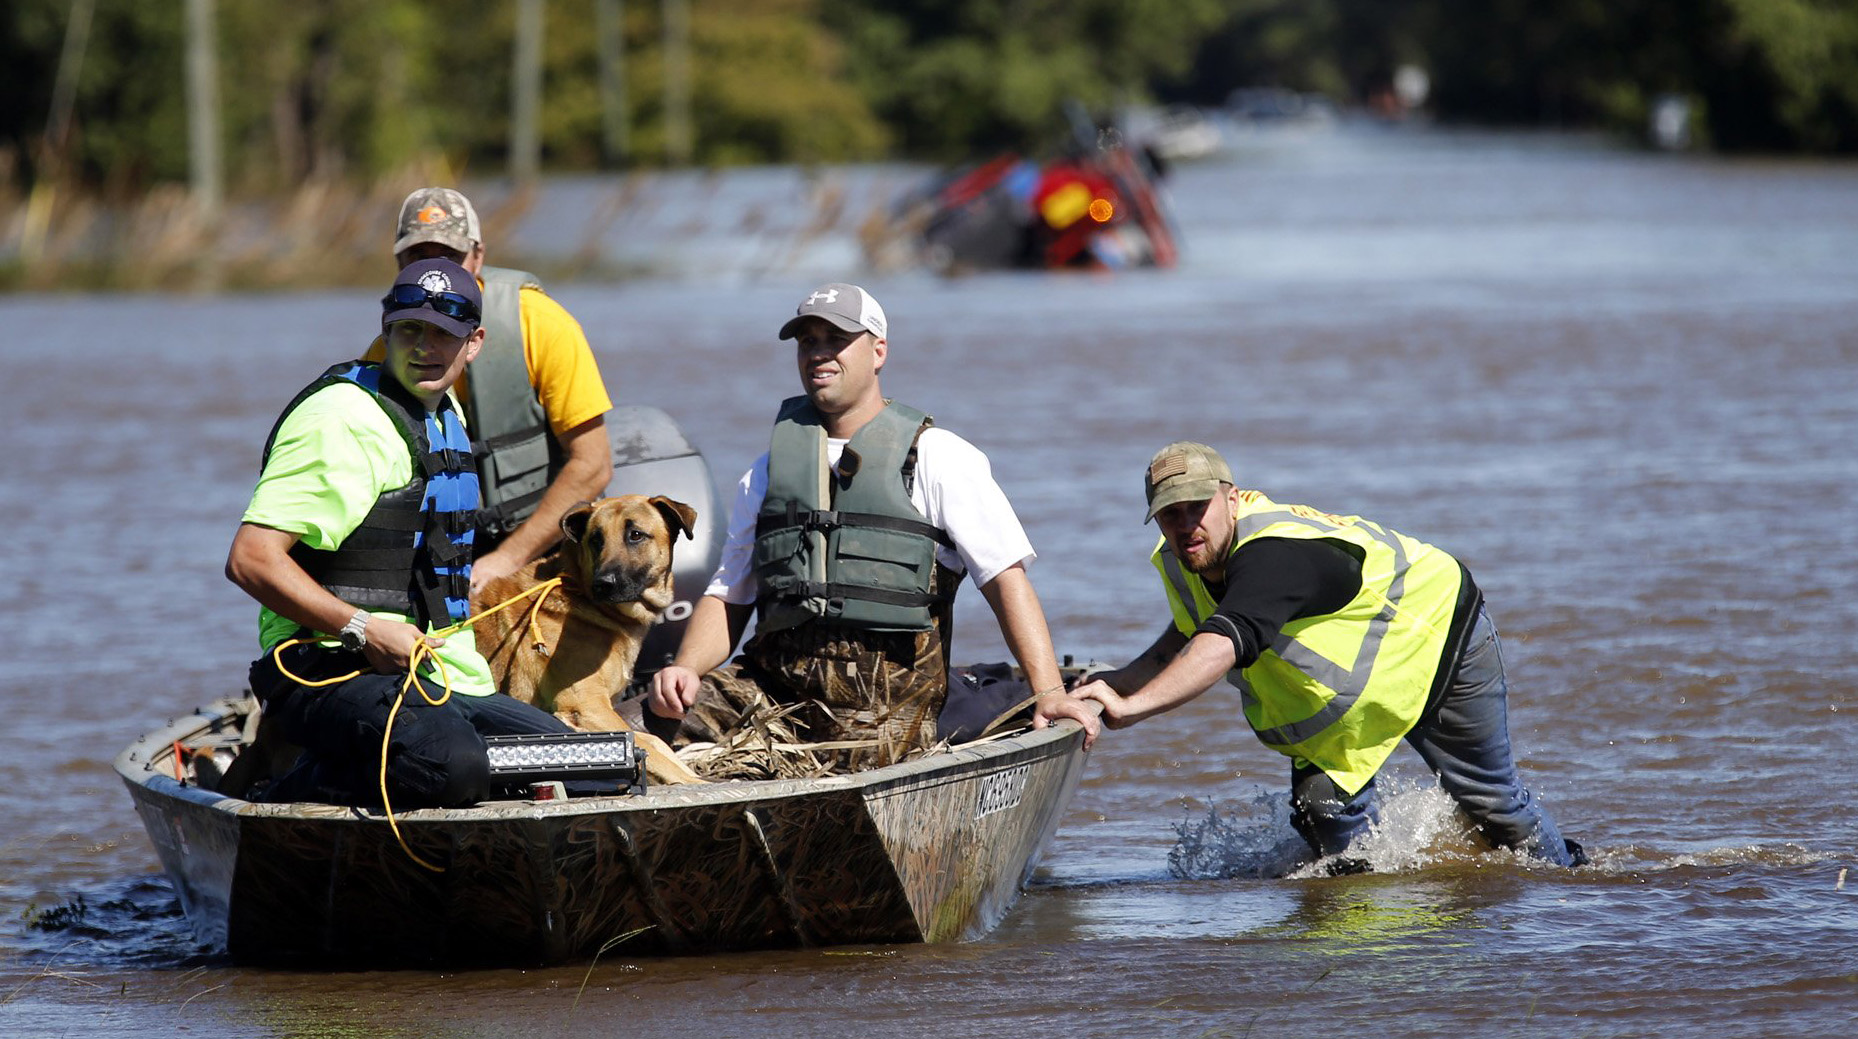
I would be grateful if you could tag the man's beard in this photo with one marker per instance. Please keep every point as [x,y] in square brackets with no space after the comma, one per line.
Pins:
[1210,567]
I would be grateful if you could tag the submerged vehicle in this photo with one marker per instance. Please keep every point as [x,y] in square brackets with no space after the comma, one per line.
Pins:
[1097,204]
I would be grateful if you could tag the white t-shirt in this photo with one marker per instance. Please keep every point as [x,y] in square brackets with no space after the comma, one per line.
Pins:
[955,491]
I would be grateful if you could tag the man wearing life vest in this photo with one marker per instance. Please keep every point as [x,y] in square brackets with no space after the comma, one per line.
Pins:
[847,542]
[533,399]
[1343,638]
[357,545]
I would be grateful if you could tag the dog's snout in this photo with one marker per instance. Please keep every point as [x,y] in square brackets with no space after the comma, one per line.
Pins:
[616,585]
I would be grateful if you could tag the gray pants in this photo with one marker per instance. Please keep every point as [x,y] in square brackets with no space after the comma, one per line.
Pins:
[1466,743]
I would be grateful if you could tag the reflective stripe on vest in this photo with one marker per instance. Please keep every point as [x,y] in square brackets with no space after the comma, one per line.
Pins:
[1299,695]
[412,553]
[509,429]
[845,545]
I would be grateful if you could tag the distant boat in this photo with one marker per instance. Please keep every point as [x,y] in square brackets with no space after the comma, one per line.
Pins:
[1252,109]
[930,850]
[1177,133]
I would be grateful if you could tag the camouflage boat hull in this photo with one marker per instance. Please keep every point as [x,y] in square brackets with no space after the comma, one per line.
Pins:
[931,850]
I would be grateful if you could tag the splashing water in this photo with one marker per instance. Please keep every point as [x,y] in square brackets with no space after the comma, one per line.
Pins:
[1418,824]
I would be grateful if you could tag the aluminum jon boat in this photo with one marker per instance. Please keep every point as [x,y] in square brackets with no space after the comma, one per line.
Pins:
[930,850]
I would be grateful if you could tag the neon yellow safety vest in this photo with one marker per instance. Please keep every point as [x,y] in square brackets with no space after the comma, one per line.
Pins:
[1338,690]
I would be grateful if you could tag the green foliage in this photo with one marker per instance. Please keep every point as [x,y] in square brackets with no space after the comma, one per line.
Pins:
[320,89]
[1800,57]
[1298,44]
[361,88]
[769,86]
[133,57]
[953,76]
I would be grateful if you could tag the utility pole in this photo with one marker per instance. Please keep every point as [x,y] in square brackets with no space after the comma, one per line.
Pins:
[526,93]
[203,154]
[64,87]
[50,171]
[677,136]
[610,41]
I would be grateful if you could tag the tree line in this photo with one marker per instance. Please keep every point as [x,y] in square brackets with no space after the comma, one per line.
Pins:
[358,88]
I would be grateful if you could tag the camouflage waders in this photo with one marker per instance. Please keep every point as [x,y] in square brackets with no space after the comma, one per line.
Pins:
[880,690]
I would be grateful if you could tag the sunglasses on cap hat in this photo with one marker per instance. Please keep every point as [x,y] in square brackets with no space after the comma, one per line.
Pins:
[449,304]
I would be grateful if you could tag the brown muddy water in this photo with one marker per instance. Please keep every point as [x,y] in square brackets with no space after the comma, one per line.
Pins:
[1623,388]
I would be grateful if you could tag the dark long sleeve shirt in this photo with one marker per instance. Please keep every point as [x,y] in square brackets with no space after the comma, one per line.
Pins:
[1270,582]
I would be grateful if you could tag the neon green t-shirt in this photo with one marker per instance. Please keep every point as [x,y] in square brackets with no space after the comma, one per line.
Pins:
[332,458]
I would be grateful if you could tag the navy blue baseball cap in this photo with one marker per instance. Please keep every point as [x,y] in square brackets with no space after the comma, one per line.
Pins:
[440,293]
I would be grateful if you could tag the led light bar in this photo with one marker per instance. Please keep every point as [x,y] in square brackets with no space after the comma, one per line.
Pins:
[518,762]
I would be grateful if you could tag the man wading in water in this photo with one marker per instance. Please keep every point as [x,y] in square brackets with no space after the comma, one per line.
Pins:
[1343,638]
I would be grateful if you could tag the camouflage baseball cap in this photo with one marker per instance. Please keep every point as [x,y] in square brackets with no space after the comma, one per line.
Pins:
[1183,471]
[437,215]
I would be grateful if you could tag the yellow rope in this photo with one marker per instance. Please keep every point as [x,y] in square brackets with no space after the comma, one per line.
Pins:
[420,648]
[422,651]
[535,610]
[545,587]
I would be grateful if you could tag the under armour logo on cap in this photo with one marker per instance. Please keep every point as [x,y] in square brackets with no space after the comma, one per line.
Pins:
[847,307]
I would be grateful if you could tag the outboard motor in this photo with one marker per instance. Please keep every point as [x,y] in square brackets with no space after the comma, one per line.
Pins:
[651,457]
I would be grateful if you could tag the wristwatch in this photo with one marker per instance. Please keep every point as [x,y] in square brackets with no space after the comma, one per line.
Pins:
[354,634]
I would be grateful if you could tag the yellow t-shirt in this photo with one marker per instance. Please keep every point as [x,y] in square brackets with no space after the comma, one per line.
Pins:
[332,457]
[561,365]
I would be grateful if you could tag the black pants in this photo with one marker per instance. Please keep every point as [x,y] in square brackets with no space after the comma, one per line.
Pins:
[436,758]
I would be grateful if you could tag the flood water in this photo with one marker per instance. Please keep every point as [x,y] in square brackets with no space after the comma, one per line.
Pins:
[1623,388]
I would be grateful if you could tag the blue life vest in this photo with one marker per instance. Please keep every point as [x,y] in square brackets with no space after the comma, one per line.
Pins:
[412,552]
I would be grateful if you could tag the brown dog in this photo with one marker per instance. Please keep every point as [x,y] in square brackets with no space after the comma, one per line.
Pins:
[614,562]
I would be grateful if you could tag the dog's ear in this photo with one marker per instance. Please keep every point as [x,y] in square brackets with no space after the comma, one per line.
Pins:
[574,521]
[678,516]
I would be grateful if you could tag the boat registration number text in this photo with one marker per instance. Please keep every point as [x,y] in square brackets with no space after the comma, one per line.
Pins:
[1002,791]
